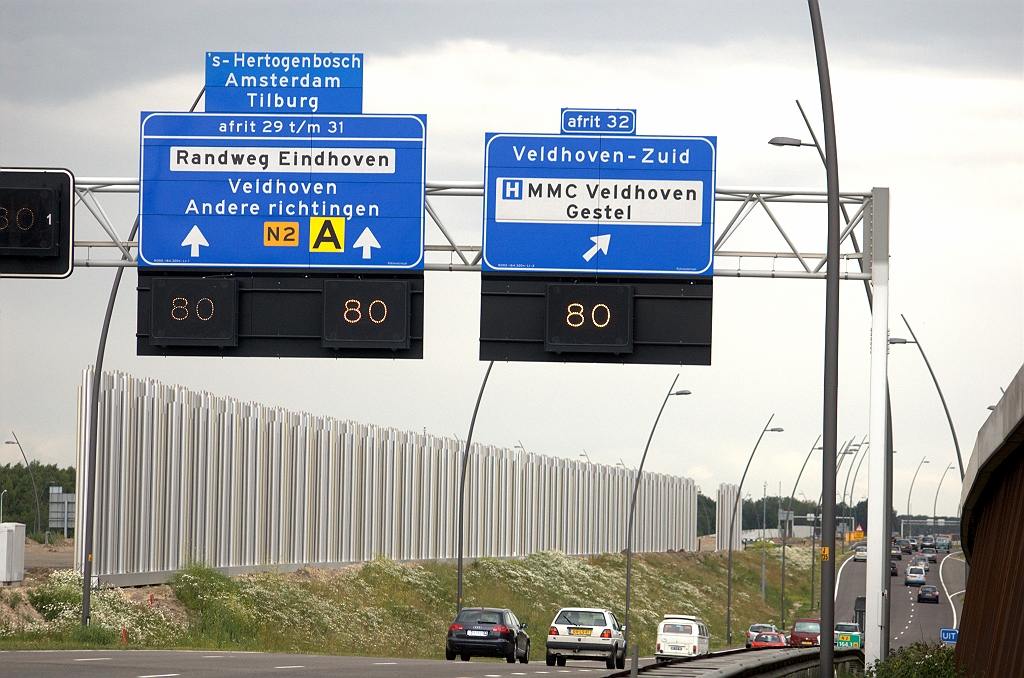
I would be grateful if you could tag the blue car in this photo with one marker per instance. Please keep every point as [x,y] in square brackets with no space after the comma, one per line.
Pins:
[928,594]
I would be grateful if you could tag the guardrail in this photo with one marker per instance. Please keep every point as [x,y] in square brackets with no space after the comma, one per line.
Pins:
[741,663]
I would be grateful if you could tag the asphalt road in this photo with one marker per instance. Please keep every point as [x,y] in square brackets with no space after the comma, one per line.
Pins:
[172,664]
[909,620]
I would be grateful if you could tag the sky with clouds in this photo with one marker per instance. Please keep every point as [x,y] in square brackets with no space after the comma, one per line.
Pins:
[929,101]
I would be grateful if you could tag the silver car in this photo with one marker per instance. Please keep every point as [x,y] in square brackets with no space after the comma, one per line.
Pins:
[585,633]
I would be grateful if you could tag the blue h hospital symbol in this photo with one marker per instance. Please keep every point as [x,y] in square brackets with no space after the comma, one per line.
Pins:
[512,189]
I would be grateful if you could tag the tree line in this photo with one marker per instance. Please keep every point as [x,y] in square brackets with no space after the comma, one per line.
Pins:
[19,505]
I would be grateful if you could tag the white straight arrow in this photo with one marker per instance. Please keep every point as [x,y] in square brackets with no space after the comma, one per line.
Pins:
[600,243]
[366,241]
[195,238]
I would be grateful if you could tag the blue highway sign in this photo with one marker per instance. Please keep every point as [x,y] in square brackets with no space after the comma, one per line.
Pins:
[949,635]
[284,82]
[599,204]
[282,191]
[598,121]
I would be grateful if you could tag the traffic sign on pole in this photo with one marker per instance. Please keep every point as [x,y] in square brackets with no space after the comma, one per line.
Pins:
[36,222]
[282,191]
[949,636]
[599,205]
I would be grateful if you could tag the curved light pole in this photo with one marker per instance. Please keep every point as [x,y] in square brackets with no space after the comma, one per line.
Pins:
[913,340]
[2,505]
[855,448]
[732,521]
[924,461]
[936,502]
[462,480]
[35,492]
[785,532]
[632,505]
[853,485]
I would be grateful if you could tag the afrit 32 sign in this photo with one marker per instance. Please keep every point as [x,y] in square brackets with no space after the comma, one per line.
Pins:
[599,204]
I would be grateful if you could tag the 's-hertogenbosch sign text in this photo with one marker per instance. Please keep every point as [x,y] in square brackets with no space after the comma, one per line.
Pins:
[284,82]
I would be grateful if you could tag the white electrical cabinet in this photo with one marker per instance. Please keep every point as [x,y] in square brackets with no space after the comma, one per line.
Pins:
[12,553]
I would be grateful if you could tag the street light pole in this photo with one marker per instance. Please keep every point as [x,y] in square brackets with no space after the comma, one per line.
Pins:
[632,505]
[936,502]
[732,521]
[35,492]
[956,442]
[785,533]
[924,461]
[764,546]
[2,505]
[462,480]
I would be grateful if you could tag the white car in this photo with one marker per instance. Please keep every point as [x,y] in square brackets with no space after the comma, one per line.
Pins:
[861,554]
[915,576]
[586,633]
[759,628]
[681,635]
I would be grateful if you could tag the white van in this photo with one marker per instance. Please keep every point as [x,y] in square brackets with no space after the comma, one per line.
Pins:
[681,635]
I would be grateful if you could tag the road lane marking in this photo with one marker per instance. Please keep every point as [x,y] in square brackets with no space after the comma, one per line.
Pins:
[161,675]
[384,663]
[296,666]
[94,659]
[839,575]
[213,656]
[943,582]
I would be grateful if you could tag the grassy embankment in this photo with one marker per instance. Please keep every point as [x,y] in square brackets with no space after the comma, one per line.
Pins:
[376,608]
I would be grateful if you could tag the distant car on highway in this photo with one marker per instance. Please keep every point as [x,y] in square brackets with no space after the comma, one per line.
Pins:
[894,569]
[905,546]
[767,640]
[915,576]
[914,544]
[943,543]
[759,628]
[487,632]
[930,553]
[861,553]
[928,594]
[928,540]
[585,633]
[921,561]
[681,635]
[896,552]
[806,632]
[848,634]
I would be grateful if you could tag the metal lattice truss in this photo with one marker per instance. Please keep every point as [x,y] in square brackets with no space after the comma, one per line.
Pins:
[740,212]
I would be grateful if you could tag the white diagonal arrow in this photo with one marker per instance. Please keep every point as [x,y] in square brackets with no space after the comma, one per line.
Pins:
[366,241]
[600,243]
[195,238]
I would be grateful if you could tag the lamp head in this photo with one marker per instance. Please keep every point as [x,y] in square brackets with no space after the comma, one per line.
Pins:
[683,392]
[785,141]
[776,429]
[897,340]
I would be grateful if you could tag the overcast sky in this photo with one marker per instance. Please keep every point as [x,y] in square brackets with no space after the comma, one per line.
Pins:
[929,102]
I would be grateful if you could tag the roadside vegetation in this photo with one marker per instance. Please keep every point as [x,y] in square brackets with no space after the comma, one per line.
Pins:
[373,609]
[918,660]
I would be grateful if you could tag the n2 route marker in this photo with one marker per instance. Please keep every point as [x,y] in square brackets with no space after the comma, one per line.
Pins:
[246,191]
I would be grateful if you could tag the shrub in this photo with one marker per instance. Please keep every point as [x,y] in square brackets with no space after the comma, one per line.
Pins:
[918,660]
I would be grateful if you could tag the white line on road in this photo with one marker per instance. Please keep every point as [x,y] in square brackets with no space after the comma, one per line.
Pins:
[213,656]
[943,582]
[161,675]
[385,663]
[296,666]
[839,575]
[94,659]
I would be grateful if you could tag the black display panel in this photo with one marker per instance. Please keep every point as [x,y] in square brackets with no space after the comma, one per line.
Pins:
[671,319]
[286,315]
[366,314]
[194,312]
[589,318]
[36,223]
